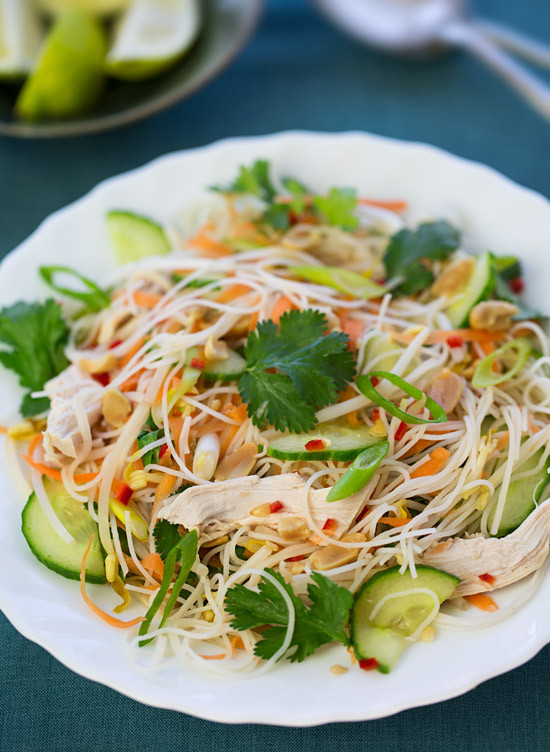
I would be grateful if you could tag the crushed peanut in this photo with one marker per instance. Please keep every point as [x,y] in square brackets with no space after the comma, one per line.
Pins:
[493,315]
[116,407]
[293,529]
[378,429]
[454,277]
[332,556]
[104,363]
[338,669]
[215,349]
[428,635]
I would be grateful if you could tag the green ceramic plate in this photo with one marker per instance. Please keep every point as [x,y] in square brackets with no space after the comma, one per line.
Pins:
[227,26]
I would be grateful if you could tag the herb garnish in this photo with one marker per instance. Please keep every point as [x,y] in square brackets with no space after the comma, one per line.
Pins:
[322,622]
[310,365]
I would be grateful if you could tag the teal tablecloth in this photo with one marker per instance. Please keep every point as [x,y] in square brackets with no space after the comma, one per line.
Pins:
[297,73]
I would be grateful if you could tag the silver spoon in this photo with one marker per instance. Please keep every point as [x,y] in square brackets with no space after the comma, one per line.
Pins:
[425,27]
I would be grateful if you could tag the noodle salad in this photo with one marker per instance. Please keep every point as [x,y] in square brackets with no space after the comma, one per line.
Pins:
[285,420]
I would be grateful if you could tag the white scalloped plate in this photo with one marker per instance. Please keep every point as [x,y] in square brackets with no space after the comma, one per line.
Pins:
[493,212]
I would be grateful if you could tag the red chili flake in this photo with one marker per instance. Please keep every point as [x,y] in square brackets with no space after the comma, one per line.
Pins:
[330,526]
[198,363]
[123,493]
[375,415]
[401,431]
[103,378]
[375,381]
[275,506]
[487,578]
[315,445]
[301,557]
[455,341]
[162,451]
[516,285]
[368,664]
[115,343]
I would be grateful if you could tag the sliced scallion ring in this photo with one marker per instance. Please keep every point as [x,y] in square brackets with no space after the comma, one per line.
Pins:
[517,349]
[95,300]
[365,385]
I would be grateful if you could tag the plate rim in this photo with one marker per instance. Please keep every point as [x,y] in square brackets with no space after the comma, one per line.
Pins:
[308,717]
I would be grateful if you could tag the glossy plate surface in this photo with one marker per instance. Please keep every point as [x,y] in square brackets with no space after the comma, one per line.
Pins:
[493,213]
[227,26]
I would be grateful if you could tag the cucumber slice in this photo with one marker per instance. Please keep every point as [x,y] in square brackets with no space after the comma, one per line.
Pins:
[522,497]
[230,369]
[383,637]
[133,236]
[345,443]
[381,347]
[50,549]
[478,288]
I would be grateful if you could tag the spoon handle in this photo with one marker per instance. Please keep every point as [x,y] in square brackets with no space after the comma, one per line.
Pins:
[530,87]
[514,41]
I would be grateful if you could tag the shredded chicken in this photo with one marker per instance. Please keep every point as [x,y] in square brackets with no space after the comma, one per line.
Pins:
[64,437]
[506,559]
[215,510]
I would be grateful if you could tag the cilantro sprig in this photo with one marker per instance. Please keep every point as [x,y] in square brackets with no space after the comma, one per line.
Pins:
[408,249]
[336,208]
[34,336]
[294,369]
[322,622]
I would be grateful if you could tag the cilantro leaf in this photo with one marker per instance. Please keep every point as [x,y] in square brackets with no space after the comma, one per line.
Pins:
[322,622]
[299,194]
[254,180]
[166,537]
[310,368]
[147,437]
[406,249]
[278,216]
[338,207]
[35,335]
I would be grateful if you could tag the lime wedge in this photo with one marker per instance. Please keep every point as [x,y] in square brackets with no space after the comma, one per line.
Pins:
[151,36]
[20,38]
[68,76]
[95,7]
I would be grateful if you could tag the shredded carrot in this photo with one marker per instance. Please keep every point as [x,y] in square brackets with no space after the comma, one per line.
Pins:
[236,643]
[488,347]
[419,446]
[146,299]
[283,305]
[33,443]
[482,601]
[440,336]
[353,329]
[438,458]
[348,393]
[131,382]
[395,521]
[232,293]
[112,620]
[253,321]
[165,487]
[207,245]
[85,477]
[131,352]
[395,206]
[175,381]
[176,427]
[3,429]
[154,564]
[217,657]
[50,472]
[504,440]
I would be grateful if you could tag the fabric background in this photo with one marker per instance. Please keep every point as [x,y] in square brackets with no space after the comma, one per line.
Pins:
[298,72]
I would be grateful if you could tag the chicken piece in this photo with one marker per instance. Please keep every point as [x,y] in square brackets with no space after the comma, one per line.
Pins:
[63,437]
[219,508]
[507,559]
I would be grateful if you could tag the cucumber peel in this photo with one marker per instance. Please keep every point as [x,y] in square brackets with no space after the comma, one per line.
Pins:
[134,236]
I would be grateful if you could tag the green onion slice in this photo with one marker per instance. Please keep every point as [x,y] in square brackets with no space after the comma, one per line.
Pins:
[95,300]
[365,385]
[360,471]
[342,280]
[186,548]
[517,350]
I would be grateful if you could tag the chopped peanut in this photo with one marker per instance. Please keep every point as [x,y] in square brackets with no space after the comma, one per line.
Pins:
[109,327]
[293,529]
[428,635]
[446,389]
[492,315]
[21,431]
[238,464]
[102,364]
[215,542]
[354,538]
[338,669]
[296,567]
[263,510]
[454,277]
[378,429]
[332,556]
[116,407]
